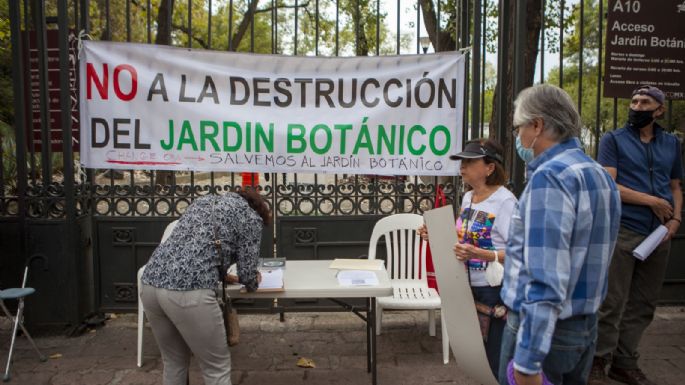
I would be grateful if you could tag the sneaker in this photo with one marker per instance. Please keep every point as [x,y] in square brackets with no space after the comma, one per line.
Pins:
[598,374]
[629,376]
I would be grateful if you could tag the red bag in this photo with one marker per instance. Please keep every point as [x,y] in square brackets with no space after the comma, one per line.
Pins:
[440,201]
[250,179]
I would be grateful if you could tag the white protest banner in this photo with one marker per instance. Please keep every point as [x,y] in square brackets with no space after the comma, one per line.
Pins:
[165,108]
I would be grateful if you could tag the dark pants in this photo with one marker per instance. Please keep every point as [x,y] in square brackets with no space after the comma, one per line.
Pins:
[489,295]
[570,355]
[629,306]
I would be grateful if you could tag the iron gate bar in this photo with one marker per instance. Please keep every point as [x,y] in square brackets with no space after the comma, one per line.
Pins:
[230,26]
[598,100]
[561,44]
[475,71]
[483,54]
[20,121]
[518,173]
[542,41]
[38,9]
[29,108]
[580,63]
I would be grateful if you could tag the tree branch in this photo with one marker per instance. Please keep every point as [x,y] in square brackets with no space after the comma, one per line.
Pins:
[185,30]
[269,9]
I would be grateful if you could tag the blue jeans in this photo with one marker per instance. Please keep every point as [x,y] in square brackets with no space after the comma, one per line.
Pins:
[570,355]
[489,295]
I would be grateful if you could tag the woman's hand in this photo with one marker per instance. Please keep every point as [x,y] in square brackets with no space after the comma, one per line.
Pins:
[231,278]
[525,379]
[423,232]
[259,277]
[465,251]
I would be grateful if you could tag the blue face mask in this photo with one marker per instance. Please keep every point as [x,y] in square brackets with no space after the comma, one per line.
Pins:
[525,153]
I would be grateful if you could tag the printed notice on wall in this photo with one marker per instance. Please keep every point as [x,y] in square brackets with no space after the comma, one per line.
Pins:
[645,44]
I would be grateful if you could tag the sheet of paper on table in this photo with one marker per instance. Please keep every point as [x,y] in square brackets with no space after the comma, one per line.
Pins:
[357,264]
[357,278]
[271,279]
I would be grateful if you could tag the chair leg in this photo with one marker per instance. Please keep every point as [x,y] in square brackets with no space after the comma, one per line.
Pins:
[379,319]
[141,317]
[20,310]
[445,339]
[141,324]
[431,322]
[33,343]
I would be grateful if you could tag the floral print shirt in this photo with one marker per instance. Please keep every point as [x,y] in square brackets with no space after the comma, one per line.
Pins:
[188,259]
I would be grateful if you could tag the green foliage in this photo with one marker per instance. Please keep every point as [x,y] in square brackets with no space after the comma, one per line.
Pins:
[6,94]
[587,103]
[307,32]
[9,163]
[552,24]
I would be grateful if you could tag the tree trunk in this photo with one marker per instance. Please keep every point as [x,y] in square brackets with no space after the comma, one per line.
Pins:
[533,26]
[361,42]
[442,41]
[164,14]
[244,25]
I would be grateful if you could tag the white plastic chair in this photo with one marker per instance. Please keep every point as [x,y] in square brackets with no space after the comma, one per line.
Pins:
[141,312]
[406,266]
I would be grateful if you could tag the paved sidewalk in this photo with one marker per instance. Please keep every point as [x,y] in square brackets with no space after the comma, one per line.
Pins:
[269,351]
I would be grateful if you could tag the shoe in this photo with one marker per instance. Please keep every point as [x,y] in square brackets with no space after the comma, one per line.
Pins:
[629,376]
[598,375]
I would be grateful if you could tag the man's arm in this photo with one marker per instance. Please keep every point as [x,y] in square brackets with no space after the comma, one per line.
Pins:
[661,208]
[550,216]
[674,222]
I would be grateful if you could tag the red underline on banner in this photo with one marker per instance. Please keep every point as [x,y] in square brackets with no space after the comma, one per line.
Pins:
[141,162]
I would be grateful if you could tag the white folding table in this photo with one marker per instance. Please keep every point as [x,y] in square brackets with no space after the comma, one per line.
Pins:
[313,279]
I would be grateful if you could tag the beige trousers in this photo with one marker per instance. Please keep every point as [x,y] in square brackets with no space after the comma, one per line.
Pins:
[185,322]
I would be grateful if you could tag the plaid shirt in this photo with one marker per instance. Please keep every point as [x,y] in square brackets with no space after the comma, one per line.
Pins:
[560,245]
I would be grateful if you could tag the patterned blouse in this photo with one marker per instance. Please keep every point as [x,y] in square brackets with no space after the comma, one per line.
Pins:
[188,260]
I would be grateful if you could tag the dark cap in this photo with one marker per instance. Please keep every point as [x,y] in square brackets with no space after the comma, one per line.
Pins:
[475,150]
[652,91]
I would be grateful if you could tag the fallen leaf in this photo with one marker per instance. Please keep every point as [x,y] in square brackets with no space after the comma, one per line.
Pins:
[56,355]
[306,363]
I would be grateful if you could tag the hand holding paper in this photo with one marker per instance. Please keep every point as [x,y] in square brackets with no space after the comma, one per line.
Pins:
[650,243]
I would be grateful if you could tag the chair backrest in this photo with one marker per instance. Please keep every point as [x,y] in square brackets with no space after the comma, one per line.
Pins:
[169,229]
[405,250]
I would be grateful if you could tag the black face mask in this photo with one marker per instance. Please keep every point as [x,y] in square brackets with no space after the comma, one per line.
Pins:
[639,119]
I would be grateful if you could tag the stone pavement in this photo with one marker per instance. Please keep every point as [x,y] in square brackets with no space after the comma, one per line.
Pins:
[270,349]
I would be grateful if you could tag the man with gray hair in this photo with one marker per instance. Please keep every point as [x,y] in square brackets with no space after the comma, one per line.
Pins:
[560,242]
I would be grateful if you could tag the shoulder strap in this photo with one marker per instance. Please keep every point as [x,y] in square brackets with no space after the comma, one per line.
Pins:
[215,232]
[217,245]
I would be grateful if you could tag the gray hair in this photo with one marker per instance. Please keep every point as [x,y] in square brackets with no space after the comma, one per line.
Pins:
[551,104]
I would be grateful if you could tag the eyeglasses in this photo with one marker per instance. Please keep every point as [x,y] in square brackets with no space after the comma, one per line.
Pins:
[515,130]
